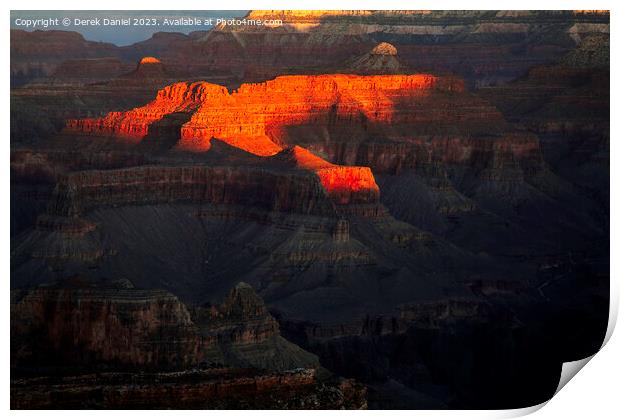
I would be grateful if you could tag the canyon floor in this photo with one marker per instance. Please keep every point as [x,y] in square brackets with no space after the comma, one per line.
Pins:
[351,210]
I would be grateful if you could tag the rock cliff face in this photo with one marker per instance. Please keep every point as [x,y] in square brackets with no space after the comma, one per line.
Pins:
[481,46]
[343,184]
[567,106]
[321,112]
[125,335]
[261,188]
[83,326]
[246,117]
[241,319]
[88,70]
[196,389]
[390,123]
[173,99]
[120,327]
[484,48]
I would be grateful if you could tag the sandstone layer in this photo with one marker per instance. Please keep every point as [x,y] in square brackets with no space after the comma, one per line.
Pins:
[245,117]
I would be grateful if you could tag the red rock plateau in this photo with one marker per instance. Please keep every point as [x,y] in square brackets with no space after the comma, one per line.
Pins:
[390,123]
[245,117]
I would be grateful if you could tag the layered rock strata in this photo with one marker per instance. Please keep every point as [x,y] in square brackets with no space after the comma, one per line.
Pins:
[113,325]
[251,117]
[301,192]
[197,389]
[393,124]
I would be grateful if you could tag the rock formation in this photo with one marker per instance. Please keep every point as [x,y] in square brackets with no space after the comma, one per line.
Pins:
[246,117]
[305,192]
[382,59]
[384,48]
[372,121]
[149,68]
[196,389]
[88,70]
[113,324]
[484,47]
[116,330]
[567,106]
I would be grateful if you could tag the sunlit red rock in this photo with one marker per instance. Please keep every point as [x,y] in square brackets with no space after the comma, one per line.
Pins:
[246,117]
[384,48]
[149,60]
[381,59]
[134,124]
[343,184]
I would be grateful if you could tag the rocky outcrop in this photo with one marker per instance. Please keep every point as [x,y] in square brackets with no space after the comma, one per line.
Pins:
[241,319]
[148,68]
[384,49]
[261,188]
[382,59]
[196,389]
[343,184]
[178,98]
[592,52]
[122,327]
[80,326]
[322,113]
[258,113]
[567,106]
[252,117]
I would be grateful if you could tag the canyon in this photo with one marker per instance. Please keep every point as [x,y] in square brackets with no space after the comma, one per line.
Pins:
[354,209]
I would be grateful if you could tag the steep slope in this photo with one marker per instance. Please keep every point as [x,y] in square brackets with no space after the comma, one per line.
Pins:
[111,325]
[567,106]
